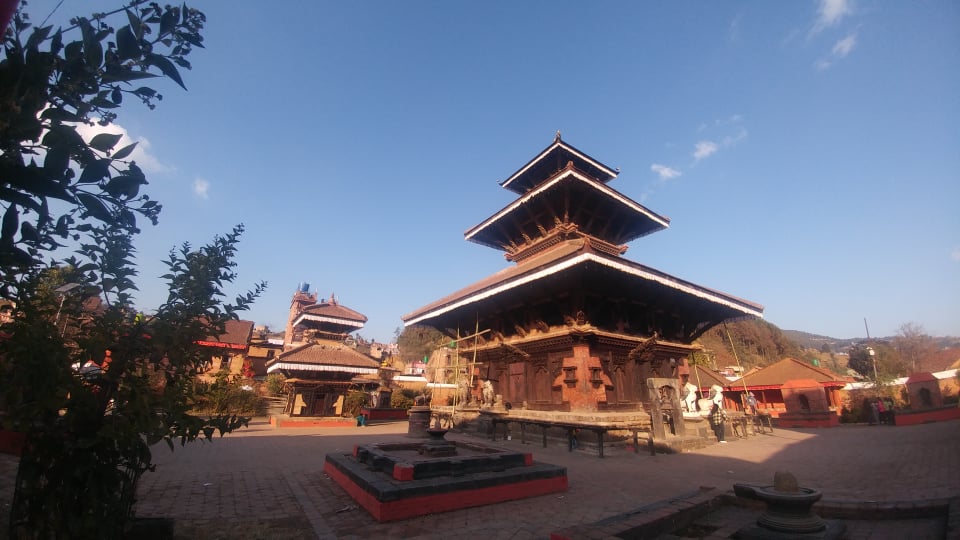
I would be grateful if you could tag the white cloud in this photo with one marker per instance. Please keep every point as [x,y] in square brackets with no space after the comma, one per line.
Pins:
[840,50]
[831,12]
[704,149]
[664,172]
[141,154]
[844,46]
[200,188]
[733,31]
[955,255]
[730,140]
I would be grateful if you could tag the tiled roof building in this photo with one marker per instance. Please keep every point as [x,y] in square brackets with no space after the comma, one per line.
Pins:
[318,359]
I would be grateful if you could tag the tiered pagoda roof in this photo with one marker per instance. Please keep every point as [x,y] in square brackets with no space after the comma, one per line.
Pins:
[577,262]
[562,201]
[330,318]
[566,233]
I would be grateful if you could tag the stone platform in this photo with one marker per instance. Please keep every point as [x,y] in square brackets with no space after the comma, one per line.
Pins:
[395,481]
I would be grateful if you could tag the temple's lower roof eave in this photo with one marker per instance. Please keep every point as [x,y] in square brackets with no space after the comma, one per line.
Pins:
[741,307]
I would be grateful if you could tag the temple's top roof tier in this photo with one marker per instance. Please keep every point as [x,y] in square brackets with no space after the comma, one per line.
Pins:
[551,161]
[563,195]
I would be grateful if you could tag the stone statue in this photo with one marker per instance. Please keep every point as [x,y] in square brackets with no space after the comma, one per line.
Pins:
[689,393]
[716,395]
[488,393]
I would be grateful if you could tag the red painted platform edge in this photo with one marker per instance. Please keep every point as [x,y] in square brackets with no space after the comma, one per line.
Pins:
[278,423]
[444,502]
[913,418]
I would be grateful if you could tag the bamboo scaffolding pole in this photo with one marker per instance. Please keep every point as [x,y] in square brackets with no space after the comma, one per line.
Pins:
[743,378]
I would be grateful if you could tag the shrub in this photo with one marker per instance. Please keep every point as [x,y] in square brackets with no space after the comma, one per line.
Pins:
[403,399]
[352,403]
[851,416]
[227,395]
[274,384]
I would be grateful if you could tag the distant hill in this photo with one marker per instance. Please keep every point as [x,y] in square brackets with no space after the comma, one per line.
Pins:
[755,343]
[814,341]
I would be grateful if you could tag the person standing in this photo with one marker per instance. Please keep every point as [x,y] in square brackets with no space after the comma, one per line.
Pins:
[752,403]
[718,418]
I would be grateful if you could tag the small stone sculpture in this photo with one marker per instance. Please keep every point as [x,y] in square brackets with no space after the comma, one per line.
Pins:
[690,397]
[488,393]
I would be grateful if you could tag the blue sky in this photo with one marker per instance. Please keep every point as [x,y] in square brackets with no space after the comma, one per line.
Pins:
[807,153]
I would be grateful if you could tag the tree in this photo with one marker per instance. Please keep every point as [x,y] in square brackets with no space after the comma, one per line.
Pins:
[92,402]
[418,342]
[52,181]
[860,361]
[888,363]
[92,405]
[914,346]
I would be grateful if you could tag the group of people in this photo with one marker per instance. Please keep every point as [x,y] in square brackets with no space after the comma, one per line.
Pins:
[881,411]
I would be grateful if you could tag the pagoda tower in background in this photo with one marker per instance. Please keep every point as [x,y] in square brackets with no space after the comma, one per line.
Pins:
[572,325]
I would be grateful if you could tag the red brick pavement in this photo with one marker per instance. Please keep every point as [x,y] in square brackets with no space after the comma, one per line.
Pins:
[269,483]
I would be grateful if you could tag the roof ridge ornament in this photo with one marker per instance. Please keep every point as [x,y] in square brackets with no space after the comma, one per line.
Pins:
[557,137]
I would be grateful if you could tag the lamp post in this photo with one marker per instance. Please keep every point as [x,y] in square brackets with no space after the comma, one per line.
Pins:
[873,358]
[62,291]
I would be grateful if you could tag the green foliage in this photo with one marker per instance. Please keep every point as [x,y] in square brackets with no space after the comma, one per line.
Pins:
[93,398]
[403,399]
[353,402]
[889,364]
[51,82]
[416,342]
[852,415]
[226,395]
[274,384]
[92,403]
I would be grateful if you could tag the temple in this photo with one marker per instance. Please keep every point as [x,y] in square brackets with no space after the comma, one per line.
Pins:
[573,327]
[318,359]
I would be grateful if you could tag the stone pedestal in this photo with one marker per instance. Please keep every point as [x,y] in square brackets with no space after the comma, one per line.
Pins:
[437,446]
[419,422]
[668,406]
[789,514]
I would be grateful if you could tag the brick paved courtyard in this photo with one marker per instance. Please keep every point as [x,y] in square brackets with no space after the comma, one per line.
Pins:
[269,483]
